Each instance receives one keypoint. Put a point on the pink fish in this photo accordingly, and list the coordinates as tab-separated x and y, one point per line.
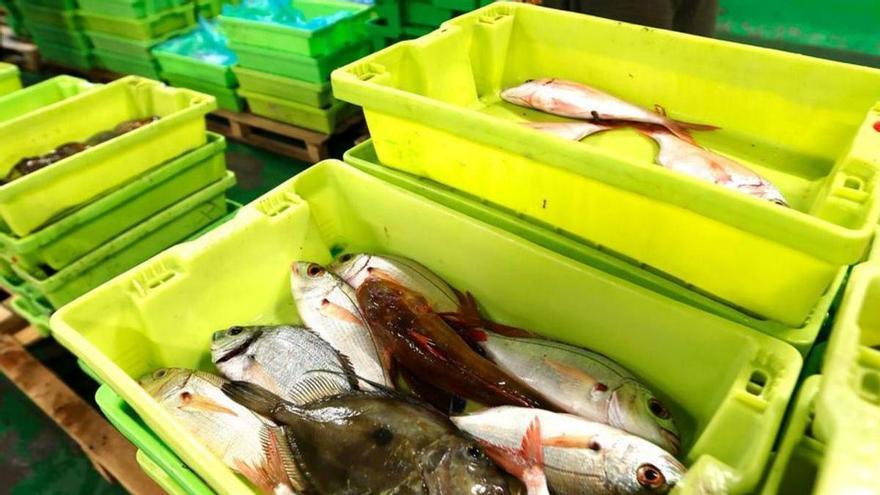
574	131
681	156
579	101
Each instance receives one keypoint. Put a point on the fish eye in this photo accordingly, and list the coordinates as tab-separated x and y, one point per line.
235	331
315	270
658	409
160	373
594	445
649	476
346	257
474	453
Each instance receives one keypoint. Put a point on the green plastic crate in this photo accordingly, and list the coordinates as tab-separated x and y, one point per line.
311	94
425	13
140	50
847	33
64	56
32	201
389	19
461	5
148	28
34	312
150	446
799	457
35	15
133	9
227	98
848	403
209	8
814	140
304	68
363	156
160	231
727	385
64	37
308	117
155	472
305	42
126	64
41	95
52	4
9	78
87	228
195	69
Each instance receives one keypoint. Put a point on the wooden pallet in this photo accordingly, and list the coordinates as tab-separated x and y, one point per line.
112	454
20	52
302	144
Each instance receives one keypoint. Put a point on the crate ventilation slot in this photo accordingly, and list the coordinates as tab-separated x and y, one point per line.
757	382
276	204
152	277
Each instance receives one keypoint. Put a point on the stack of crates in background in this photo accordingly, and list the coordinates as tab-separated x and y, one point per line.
124	32
284	70
200	60
144	175
405	19
14	18
56	30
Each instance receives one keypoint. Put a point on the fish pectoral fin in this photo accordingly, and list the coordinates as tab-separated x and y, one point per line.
425	343
337	312
194	402
526	462
571	372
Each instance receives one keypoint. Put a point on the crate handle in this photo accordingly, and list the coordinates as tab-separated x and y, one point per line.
152	277
868	381
495	14
368	70
276	204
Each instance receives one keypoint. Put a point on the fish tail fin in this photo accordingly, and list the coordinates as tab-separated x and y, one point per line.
680	128
270	475
253	397
468	319
526	462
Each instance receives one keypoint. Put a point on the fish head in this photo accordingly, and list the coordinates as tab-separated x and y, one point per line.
635	409
165	382
461	466
230	345
637	466
353	268
522	95
311	281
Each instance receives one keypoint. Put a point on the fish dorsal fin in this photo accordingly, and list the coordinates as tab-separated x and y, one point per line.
211	378
316	387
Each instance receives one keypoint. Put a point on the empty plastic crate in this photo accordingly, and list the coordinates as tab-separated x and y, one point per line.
66	56
195	69
727	385
227	98
40	95
363	156
303	67
323	120
35	15
323	40
133	9
9	78
433	109
127	64
318	95
96	223
52	35
140	29
33	200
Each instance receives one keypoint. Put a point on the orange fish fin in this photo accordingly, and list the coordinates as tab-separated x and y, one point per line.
337	312
569	371
526	462
681	129
195	402
382	275
264	379
427	344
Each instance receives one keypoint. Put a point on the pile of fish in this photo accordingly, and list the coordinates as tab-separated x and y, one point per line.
369	396
599	111
31	164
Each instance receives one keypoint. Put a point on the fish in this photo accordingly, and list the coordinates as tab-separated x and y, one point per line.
246	442
279	358
376	442
695	161
580	456
328	306
583	383
134	124
420	341
526	462
457	308
579	101
573	131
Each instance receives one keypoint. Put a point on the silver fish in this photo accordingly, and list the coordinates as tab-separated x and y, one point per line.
579	101
328	306
580	456
687	158
279	358
573	131
583	383
249	444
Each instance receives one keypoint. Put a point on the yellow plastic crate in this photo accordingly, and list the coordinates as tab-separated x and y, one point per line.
9	78
807	125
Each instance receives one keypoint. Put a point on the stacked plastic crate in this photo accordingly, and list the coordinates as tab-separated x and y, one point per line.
9	78
146	175
14	18
404	19
56	30
124	32
201	60
284	70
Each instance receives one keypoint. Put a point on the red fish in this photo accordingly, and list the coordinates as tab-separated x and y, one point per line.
418	339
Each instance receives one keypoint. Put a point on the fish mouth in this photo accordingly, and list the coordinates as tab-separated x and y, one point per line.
241	349
673	440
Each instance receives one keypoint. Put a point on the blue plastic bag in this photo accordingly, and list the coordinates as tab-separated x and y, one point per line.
280	12
206	43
